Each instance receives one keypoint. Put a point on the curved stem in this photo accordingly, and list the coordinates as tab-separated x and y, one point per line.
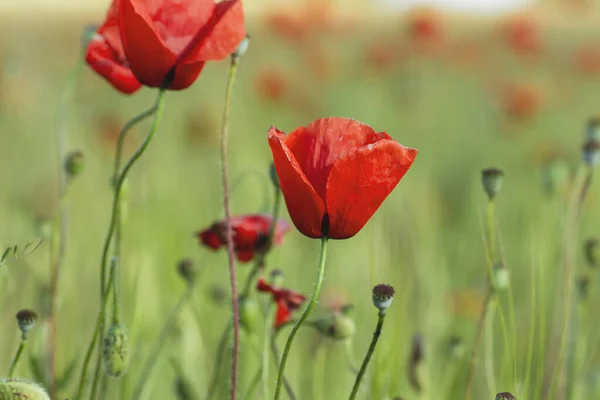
365	363
298	325
158	346
158	107
218	362
275	351
90	350
229	233
15	361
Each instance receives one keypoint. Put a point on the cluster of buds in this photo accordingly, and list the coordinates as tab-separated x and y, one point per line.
17	389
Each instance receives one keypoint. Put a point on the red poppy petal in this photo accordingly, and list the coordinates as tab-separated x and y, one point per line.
185	75
263	286
219	37
103	59
282	315
148	56
304	205
244	255
359	182
319	145
211	239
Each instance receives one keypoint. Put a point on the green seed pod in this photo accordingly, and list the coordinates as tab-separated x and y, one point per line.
19	389
505	396
337	327
492	179
242	47
249	314
382	297
591	152
116	351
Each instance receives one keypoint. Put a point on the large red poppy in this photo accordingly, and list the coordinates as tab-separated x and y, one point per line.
250	235
335	173
287	301
147	39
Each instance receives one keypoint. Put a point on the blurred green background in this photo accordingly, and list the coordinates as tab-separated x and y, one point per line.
467	92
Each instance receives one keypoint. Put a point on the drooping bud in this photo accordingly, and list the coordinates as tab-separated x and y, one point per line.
382	297
19	389
337	326
591	152
592	252
242	47
116	352
26	320
187	270
274	176
74	163
492	179
501	277
249	314
505	396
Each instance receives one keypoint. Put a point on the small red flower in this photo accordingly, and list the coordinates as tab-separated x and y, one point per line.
250	235
523	35
146	39
335	173
287	301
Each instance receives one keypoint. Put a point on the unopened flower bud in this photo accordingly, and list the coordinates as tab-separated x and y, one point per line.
242	47
591	152
505	396
274	176
249	314
187	270
26	320
116	352
382	297
337	326
492	179
74	163
19	389
501	277
592	252
277	277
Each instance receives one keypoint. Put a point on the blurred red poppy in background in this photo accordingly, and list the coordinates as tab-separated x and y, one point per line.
250	235
522	34
425	28
587	61
271	84
521	101
287	301
143	40
335	173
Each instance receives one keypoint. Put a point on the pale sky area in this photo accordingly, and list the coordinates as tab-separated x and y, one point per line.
467	6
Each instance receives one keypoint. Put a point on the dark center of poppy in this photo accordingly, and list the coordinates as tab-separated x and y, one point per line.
262	241
169	78
325	224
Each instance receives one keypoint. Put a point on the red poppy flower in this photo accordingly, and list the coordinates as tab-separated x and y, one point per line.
147	39
287	301
335	173
250	235
523	35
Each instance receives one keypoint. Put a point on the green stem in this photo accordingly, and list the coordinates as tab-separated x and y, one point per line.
479	334
363	367
298	325
157	108
90	350
158	346
15	361
212	389
266	350
229	233
275	352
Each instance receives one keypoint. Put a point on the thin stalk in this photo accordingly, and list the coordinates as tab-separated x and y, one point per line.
15	361
479	334
363	367
212	389
305	314
266	350
275	352
90	350
489	348
159	344
228	230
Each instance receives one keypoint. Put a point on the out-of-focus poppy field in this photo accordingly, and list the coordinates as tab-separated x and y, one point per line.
489	239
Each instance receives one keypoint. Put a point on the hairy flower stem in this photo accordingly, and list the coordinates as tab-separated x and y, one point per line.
158	107
305	314
160	342
15	361
90	350
58	240
363	367
229	233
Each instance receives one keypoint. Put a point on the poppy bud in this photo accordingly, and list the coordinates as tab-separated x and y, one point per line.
26	320
277	277
382	297
74	163
116	351
492	179
591	152
249	314
505	396
242	47
273	175
17	389
501	277
187	270
592	252
338	326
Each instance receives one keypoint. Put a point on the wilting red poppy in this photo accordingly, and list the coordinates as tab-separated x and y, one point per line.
335	173
146	39
250	235
287	301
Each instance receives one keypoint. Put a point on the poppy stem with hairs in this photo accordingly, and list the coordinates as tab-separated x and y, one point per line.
305	314
363	367
229	233
157	109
